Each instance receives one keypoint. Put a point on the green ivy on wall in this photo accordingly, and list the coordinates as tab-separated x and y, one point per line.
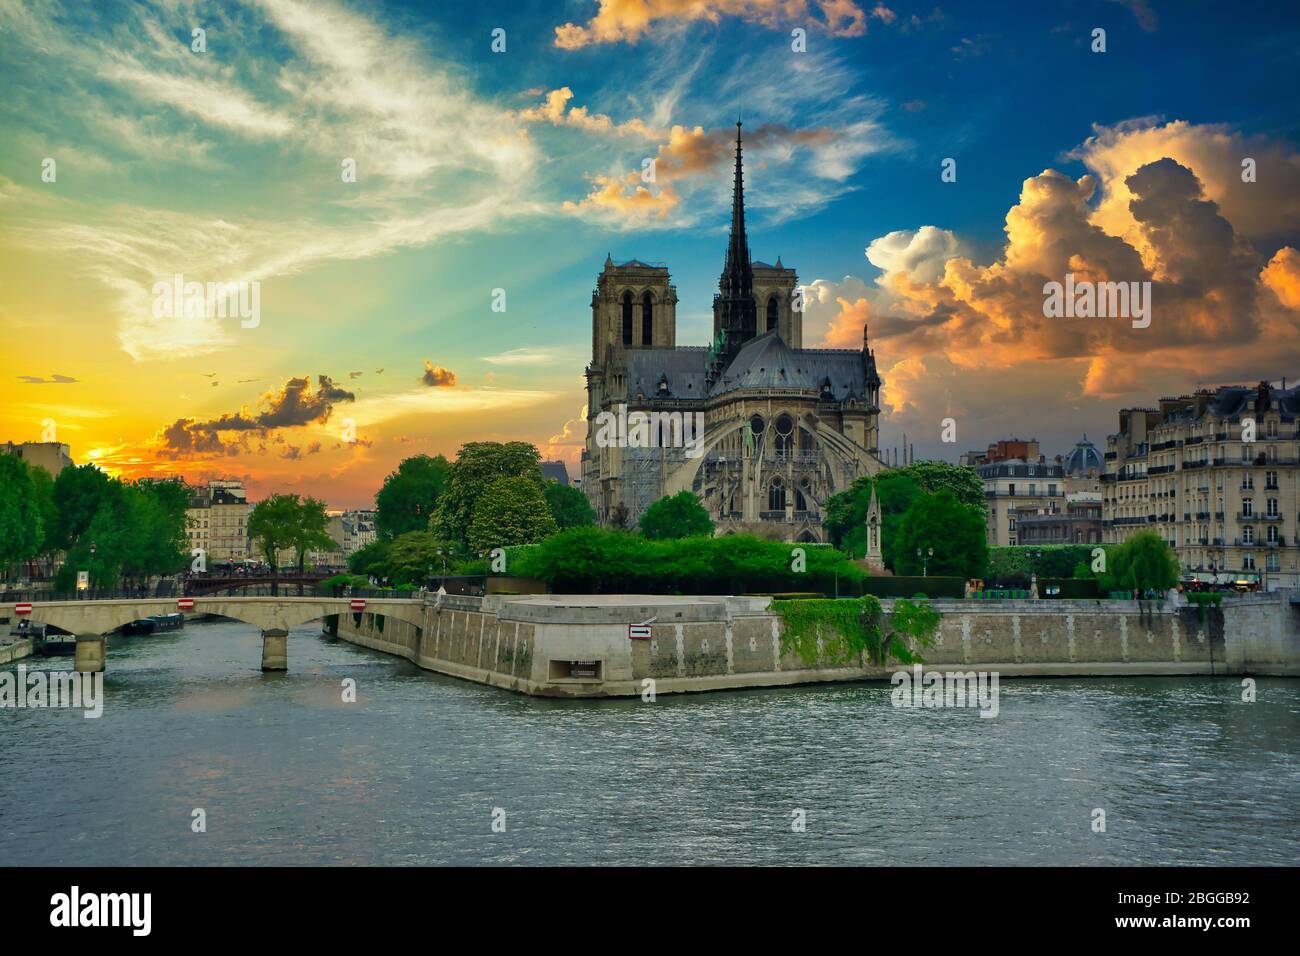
851	628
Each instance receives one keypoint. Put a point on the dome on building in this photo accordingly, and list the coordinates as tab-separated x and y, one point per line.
1083	459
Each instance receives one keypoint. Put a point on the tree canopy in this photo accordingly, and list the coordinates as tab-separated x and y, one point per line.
476	468
310	534
846	512
274	525
135	531
676	516
1140	563
410	495
934	476
568	505
22	525
954	530
512	510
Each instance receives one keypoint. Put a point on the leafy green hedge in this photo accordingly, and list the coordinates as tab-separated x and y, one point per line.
1071	588
1012	565
604	561
903	586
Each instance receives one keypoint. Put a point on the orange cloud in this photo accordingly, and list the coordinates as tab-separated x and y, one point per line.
956	337
625	196
627	21
555	110
1282	275
437	376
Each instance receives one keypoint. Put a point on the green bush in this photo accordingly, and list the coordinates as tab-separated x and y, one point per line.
1012	564
605	561
912	586
1071	588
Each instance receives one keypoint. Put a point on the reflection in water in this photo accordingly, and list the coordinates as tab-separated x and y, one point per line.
290	774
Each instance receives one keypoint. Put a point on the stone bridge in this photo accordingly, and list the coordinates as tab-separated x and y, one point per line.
92	621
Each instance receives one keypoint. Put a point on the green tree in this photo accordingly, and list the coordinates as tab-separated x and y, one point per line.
1141	563
21	524
413	557
475	469
511	511
955	531
310	534
79	492
154	541
410	495
273	524
568	506
44	483
846	512
370	559
676	516
935	476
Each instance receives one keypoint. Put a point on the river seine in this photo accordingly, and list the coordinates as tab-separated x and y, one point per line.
419	767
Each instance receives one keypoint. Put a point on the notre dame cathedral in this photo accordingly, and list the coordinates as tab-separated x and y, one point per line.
784	427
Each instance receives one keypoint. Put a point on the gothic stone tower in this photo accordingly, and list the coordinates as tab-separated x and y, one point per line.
782	427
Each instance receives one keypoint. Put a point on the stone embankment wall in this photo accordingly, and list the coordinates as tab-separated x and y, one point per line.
579	646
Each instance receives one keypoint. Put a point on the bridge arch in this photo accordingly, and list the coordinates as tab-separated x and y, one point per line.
263	613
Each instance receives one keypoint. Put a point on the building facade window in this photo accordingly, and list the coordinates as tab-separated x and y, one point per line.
776	495
627	318
647	319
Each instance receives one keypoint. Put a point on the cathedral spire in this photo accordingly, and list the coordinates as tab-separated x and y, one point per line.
735	313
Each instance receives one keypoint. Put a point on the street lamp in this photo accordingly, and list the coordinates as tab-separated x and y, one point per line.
925	560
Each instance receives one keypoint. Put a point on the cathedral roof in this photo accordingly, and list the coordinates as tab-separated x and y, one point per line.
683	366
763	362
767	362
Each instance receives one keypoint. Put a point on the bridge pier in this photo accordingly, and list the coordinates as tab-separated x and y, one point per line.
91	655
275	650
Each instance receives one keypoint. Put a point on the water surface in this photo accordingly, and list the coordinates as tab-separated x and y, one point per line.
411	773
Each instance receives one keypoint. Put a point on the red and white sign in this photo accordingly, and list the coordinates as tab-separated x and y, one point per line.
22	608
185	604
357	604
638	632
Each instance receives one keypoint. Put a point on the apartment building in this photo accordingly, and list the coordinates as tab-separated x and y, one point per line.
1017	485
1215	474
51	455
218	521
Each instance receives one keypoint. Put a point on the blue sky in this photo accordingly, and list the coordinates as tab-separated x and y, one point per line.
479	170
